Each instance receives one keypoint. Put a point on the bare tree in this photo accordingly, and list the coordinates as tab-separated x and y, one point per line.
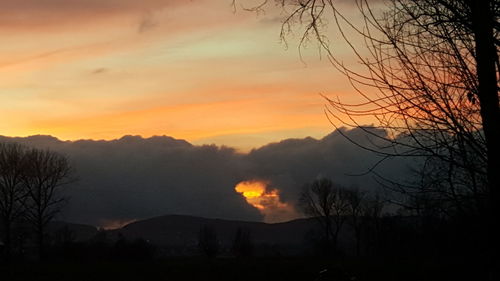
356	205
242	244
325	201
431	81
45	174
373	210
340	212
12	192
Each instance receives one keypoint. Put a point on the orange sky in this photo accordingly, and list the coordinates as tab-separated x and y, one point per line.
188	69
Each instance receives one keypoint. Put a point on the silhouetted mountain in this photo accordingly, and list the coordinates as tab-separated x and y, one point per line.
178	230
179	234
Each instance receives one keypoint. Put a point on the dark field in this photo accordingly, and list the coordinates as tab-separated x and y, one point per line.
244	269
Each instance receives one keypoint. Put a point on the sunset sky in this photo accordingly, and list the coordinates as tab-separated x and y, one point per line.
118	72
194	70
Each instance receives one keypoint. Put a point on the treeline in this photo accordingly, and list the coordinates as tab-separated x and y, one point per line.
30	195
393	225
64	246
111	245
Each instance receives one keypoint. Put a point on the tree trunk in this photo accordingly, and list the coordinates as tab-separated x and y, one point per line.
358	240
336	237
482	22
8	240
40	241
328	227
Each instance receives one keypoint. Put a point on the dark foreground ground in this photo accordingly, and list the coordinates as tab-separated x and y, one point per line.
249	269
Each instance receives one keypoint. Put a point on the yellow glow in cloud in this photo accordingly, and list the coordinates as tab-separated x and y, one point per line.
252	191
267	201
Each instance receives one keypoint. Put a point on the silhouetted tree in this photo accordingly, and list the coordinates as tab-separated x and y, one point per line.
99	246
372	212
45	174
431	81
12	191
64	235
325	201
356	205
242	244
208	243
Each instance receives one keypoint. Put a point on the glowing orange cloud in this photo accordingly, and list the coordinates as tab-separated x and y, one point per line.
253	191
267	201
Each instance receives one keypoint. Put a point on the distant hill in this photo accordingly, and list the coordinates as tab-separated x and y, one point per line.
79	232
182	232
178	229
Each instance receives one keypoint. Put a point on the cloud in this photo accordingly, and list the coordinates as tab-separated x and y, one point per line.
133	177
147	22
290	164
99	70
54	12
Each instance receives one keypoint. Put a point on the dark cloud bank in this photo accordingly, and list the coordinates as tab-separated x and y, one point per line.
133	177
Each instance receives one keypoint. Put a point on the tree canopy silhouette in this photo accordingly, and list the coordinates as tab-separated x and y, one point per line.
45	173
327	202
12	191
30	188
430	71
